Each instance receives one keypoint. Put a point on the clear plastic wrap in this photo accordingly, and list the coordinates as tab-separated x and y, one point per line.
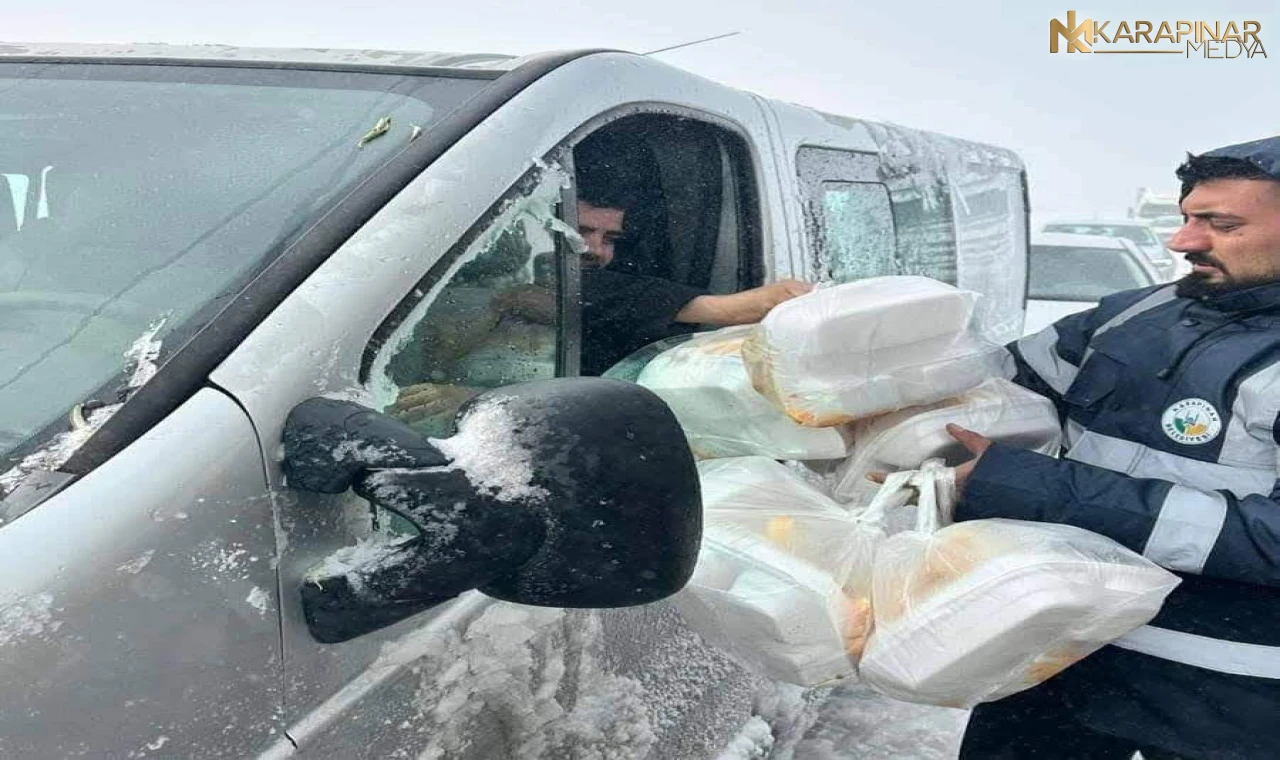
783	577
979	610
902	440
863	348
706	385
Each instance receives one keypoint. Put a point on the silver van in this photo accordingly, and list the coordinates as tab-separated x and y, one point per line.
198	243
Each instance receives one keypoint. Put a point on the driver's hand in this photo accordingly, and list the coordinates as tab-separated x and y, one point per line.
743	308
430	400
773	294
531	303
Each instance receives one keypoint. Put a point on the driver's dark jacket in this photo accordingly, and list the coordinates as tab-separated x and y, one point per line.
622	312
1198	497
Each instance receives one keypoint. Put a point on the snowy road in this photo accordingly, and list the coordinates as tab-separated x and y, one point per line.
855	722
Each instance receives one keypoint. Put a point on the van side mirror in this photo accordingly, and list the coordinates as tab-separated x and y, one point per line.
575	492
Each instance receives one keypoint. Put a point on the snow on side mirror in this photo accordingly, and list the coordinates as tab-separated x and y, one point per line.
576	492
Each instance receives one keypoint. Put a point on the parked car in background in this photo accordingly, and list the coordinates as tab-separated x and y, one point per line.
1152	205
1165	228
1137	231
1163	211
1070	273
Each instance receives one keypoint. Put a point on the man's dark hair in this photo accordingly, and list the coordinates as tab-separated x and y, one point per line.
597	192
1202	168
610	166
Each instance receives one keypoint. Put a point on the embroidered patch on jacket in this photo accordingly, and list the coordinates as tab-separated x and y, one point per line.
1191	421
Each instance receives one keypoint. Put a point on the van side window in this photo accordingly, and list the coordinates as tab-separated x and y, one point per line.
926	231
849	216
487	315
991	245
857	230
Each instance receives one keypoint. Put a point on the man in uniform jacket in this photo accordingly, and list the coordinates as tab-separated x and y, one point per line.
1170	403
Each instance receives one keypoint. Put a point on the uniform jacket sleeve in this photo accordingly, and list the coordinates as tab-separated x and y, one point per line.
1213	533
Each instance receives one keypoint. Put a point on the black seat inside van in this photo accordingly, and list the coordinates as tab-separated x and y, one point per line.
673	171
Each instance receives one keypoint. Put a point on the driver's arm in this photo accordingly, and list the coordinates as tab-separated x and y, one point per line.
741	308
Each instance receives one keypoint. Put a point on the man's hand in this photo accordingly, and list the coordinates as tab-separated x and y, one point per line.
531	303
743	308
976	443
429	400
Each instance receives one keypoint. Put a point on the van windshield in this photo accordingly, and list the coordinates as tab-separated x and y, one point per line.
135	200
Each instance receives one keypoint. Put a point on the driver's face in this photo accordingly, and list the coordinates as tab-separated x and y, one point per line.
600	228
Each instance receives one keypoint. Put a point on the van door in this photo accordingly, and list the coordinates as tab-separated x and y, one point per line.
474	678
477	677
138	607
412	315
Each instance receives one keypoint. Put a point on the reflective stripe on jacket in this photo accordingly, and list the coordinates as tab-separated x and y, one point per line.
1171	408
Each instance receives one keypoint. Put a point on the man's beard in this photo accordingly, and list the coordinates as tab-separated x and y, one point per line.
1193	285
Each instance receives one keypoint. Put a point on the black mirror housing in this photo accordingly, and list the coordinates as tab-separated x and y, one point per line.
329	444
574	492
624	513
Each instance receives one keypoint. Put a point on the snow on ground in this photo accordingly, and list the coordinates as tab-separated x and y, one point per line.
856	722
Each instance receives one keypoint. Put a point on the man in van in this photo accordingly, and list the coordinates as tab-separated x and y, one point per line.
1170	397
621	311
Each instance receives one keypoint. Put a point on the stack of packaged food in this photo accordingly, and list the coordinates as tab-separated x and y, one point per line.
810	572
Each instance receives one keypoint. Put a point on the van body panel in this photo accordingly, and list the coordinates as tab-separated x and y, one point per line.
473	678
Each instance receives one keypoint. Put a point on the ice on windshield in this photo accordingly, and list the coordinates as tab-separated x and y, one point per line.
141	357
26	617
125	199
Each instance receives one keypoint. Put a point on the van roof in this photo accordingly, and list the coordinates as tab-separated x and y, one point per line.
355	58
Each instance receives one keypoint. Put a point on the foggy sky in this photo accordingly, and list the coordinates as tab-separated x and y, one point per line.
1092	128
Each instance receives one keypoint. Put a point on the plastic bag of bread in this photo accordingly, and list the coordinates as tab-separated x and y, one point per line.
979	610
705	383
901	440
863	348
784	573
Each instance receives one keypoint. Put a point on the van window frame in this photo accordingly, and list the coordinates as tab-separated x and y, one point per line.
820	165
752	268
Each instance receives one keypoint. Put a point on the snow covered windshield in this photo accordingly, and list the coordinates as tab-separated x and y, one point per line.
135	200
